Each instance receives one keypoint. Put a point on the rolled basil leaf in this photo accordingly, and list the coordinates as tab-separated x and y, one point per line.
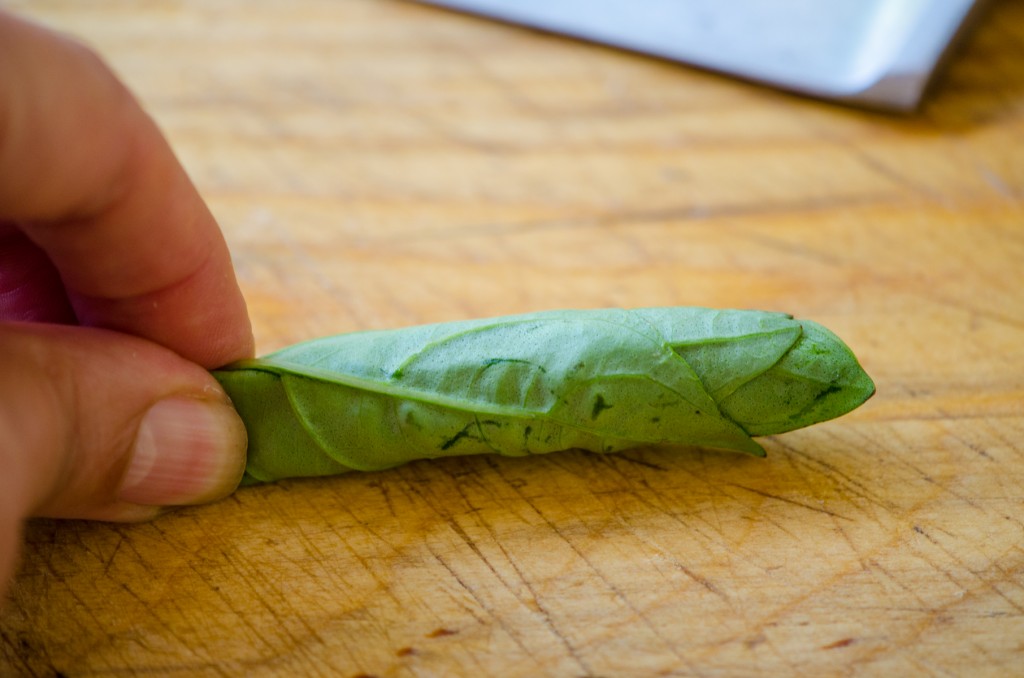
599	380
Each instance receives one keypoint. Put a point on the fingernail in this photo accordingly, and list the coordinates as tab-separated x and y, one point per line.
187	451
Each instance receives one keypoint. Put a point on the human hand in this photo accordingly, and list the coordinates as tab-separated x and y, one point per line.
109	414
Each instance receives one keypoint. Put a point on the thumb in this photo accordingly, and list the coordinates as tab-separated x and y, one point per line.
105	426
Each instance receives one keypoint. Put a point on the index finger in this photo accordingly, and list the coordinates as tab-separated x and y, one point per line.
91	180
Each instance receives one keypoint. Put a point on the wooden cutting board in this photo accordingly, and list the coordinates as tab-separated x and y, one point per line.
377	163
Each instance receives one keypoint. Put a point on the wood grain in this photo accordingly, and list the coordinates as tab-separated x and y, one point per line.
377	163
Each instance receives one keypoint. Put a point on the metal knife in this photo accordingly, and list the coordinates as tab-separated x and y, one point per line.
877	53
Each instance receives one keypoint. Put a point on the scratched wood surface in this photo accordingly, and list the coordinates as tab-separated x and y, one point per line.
378	163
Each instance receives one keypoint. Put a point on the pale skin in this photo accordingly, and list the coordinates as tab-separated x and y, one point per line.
116	295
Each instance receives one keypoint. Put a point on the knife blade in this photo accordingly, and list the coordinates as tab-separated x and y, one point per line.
876	53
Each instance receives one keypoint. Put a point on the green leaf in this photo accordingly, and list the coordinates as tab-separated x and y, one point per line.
602	380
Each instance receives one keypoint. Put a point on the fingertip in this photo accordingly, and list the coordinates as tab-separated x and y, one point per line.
110	427
186	451
94	184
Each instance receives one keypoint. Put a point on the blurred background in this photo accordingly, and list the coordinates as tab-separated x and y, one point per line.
379	163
